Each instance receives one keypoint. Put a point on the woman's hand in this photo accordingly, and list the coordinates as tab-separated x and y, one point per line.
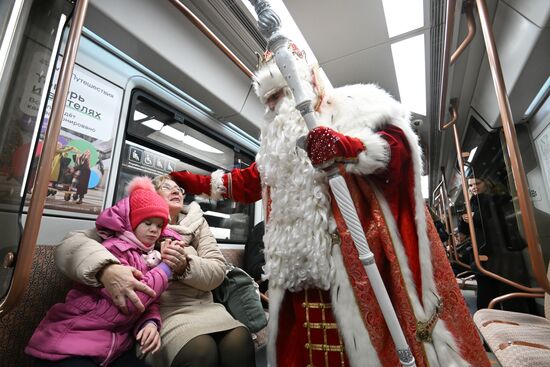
122	283
173	254
148	338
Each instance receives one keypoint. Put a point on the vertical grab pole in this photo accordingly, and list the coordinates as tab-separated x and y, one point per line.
269	24
36	207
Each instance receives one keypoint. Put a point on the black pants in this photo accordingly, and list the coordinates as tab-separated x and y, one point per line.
127	359
489	288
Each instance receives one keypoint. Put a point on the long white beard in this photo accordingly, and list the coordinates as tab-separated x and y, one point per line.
297	239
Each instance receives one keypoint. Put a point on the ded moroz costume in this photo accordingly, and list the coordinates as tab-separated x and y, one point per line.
323	311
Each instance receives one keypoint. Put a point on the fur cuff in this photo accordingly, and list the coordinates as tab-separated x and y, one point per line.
375	156
217	187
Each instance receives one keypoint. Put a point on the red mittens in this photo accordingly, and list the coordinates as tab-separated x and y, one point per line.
326	146
191	182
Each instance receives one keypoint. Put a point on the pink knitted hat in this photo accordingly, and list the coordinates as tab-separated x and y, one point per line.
145	202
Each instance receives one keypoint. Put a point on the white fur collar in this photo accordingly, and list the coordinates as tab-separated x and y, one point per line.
190	218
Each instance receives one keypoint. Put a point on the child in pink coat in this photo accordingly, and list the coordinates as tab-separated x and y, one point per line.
88	329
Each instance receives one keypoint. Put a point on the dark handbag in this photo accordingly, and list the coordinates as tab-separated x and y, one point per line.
240	296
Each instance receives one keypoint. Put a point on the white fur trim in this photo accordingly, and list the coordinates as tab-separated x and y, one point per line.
375	156
276	295
356	107
217	188
443	351
297	238
268	79
359	348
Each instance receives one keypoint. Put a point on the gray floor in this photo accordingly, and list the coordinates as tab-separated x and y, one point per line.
470	298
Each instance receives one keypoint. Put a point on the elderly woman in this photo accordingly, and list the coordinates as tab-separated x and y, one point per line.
195	331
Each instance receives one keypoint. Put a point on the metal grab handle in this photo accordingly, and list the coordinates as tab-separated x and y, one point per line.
454	117
509	296
468	9
448	59
36	207
269	24
449	24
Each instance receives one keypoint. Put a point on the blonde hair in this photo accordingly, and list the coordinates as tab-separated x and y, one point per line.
158	181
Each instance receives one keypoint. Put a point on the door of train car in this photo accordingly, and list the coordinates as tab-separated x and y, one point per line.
31	34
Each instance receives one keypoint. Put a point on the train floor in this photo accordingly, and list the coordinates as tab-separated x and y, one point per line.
470	298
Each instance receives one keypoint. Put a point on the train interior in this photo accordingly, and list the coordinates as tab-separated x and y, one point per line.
159	86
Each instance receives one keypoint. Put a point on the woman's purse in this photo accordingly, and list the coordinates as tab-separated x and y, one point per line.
240	295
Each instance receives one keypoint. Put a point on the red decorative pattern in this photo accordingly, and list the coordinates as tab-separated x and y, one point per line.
293	335
454	311
380	243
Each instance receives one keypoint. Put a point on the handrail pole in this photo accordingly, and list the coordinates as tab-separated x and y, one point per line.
468	9
208	33
449	216
509	296
435	190
518	171
27	245
449	25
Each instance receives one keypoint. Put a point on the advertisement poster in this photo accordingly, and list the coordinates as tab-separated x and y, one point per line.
82	161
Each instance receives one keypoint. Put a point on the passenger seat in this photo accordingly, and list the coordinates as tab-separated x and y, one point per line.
517	339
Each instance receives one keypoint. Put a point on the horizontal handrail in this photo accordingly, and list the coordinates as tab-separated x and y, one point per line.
208	33
509	296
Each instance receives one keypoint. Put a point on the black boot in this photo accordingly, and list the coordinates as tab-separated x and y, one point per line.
67	196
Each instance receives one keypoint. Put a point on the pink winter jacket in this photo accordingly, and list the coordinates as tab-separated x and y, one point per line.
88	323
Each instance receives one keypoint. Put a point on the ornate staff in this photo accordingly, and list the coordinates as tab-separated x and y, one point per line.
270	26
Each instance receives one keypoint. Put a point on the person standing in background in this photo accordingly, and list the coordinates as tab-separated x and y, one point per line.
494	238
